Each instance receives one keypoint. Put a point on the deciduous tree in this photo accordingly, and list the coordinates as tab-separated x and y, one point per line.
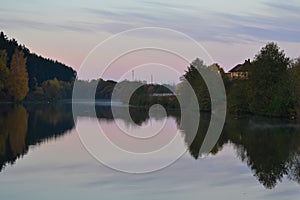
18	76
268	81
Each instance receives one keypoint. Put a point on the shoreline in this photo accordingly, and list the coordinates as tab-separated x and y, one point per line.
106	103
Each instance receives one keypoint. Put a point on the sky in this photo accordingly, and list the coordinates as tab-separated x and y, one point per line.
230	31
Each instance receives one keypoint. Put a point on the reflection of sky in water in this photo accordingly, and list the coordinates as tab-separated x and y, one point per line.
151	136
62	169
130	154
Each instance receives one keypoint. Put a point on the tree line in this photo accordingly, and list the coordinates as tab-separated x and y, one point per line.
27	76
271	87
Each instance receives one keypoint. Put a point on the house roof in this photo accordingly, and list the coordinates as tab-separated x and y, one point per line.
242	67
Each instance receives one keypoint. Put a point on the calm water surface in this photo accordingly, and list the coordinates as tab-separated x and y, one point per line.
41	157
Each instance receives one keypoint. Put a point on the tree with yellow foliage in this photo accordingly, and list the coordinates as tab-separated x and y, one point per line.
17	83
51	88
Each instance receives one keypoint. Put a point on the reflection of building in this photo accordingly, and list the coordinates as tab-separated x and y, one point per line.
162	94
240	71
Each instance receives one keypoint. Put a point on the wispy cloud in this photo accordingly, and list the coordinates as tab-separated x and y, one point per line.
165	5
25	23
187	23
66	26
263	27
214	25
275	21
287	7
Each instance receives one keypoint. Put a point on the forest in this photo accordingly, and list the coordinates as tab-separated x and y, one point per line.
28	76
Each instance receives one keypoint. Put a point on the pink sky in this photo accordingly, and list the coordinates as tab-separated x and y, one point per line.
230	32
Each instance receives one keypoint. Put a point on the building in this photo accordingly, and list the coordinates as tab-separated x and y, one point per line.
240	71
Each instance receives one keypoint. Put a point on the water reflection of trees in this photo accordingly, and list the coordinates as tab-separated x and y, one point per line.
17	122
48	121
13	126
270	147
21	127
104	112
137	116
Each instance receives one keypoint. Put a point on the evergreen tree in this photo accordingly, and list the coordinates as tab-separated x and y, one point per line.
39	69
18	76
3	69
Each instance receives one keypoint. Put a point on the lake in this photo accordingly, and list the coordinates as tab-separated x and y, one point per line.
42	156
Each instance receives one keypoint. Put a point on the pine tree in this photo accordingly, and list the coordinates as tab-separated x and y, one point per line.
3	69
18	77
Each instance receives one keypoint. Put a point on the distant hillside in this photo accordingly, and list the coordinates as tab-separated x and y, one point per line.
39	69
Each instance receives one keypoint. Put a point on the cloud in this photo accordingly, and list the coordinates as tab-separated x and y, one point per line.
124	15
195	26
283	7
271	34
263	27
114	27
273	21
74	26
25	23
105	13
168	5
286	193
216	25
